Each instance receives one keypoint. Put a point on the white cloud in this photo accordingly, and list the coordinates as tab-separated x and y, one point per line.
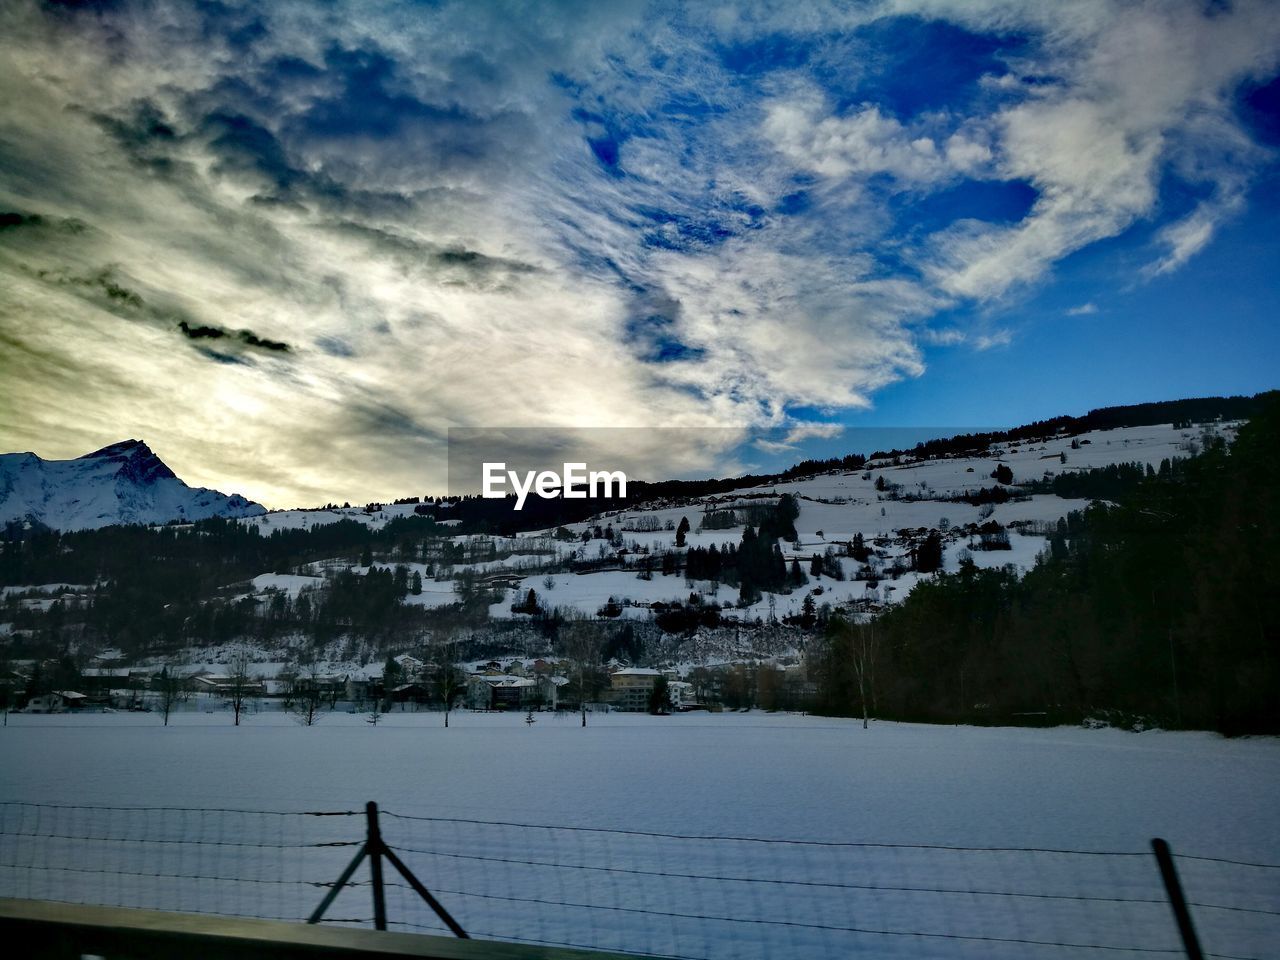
864	142
943	338
808	429
1136	88
798	433
997	338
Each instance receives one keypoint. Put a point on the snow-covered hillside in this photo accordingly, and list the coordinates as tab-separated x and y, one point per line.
834	507
122	483
889	502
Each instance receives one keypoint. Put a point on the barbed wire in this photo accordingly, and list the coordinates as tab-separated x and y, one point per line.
768	840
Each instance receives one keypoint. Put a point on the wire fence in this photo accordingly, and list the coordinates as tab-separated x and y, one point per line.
693	897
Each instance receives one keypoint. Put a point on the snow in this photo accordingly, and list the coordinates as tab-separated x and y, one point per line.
306	519
434	594
122	483
834	508
288	583
45	588
589	592
745	775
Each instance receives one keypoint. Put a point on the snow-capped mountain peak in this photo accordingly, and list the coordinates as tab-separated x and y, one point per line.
124	482
137	462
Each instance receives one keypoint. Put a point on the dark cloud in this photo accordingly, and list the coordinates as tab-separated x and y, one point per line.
13	220
235	26
246	337
101	287
105	289
95	6
335	346
652	328
145	134
246	148
449	263
369	101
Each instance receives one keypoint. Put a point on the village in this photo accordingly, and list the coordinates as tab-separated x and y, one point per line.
408	683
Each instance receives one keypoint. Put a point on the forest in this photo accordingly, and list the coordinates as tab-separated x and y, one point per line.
1155	608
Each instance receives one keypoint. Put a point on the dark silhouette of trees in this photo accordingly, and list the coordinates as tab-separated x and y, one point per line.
660	697
929	553
1151	610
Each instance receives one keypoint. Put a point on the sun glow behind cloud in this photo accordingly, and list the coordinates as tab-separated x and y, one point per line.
291	246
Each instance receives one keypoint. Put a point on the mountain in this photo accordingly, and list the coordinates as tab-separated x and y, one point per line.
122	483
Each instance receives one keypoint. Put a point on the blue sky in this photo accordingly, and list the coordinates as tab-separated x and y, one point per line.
291	245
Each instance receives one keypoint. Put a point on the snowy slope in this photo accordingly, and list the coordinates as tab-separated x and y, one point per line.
837	505
920	494
122	483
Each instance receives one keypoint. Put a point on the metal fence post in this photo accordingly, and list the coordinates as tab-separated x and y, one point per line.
1173	887
375	847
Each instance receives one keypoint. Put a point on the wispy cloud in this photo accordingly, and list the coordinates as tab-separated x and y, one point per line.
997	338
798	433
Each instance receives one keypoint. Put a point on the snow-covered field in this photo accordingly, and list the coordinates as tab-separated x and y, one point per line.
779	777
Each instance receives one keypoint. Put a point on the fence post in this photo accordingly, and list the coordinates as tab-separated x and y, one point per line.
375	847
1173	887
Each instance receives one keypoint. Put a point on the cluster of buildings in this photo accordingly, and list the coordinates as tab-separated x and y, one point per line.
506	684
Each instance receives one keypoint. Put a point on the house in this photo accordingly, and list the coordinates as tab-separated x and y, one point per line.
224	685
59	701
409	693
12	684
681	694
359	689
410	665
502	692
324	685
630	688
549	688
45	703
95	679
72	699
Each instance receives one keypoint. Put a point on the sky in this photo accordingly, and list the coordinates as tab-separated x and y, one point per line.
292	245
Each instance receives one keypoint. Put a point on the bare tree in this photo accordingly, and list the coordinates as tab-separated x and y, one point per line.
866	650
239	684
449	679
170	690
582	642
307	697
